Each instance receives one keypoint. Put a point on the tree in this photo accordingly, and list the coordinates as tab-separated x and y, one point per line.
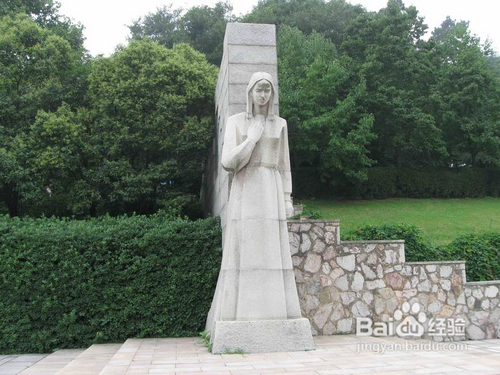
202	27
467	96
41	10
38	71
326	18
387	51
205	28
494	64
163	26
54	155
329	130
46	14
442	32
152	111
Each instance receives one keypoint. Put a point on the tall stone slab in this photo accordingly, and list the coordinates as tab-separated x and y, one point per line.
248	48
255	307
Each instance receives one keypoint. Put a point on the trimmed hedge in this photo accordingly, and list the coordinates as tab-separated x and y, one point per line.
480	251
418	248
390	182
68	283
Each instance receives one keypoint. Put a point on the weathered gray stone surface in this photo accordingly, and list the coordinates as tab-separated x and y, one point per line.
372	279
262	336
250	34
256	282
248	48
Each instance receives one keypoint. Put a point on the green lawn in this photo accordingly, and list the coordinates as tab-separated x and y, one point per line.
441	219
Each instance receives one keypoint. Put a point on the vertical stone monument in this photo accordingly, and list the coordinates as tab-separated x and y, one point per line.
256	305
248	48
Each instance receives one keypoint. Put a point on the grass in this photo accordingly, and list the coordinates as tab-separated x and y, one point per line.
205	338
234	351
442	220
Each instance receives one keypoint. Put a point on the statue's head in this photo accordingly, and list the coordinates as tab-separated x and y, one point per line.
260	91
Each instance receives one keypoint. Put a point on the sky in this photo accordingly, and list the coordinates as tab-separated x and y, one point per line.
106	21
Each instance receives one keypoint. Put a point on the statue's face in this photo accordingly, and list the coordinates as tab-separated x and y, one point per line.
261	92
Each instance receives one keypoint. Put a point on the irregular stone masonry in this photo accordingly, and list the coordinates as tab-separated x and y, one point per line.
339	281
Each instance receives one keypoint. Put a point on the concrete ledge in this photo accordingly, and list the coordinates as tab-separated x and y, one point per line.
262	336
371	242
445	262
482	283
299	221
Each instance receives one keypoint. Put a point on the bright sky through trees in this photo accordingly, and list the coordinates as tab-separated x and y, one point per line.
106	21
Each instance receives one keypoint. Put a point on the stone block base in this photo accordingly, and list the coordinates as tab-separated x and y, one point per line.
262	336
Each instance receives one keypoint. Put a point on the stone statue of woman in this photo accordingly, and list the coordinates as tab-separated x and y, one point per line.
256	283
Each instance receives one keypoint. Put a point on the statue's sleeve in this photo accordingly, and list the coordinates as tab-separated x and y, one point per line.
235	156
286	173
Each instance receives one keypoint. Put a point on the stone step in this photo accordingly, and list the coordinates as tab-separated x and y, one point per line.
91	361
52	363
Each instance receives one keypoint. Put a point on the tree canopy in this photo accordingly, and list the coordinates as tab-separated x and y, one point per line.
328	18
82	135
320	98
202	27
152	122
39	71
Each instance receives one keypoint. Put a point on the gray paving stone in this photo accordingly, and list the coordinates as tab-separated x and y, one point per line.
92	361
52	363
333	355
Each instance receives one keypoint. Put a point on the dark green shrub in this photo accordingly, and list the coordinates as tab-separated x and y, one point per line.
493	182
442	183
481	253
417	247
68	283
307	212
307	183
390	182
381	183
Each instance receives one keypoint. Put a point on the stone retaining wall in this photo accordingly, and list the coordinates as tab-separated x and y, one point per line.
339	281
482	309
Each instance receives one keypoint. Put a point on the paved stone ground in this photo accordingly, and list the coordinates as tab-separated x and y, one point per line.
37	364
14	364
333	355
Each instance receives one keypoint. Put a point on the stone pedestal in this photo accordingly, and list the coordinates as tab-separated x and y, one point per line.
262	336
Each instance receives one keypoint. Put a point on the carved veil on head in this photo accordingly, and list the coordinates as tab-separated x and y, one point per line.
256	77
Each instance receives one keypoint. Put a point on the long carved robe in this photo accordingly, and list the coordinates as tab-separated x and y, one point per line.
256	281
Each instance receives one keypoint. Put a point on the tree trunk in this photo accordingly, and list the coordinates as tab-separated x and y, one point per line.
399	158
11	199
